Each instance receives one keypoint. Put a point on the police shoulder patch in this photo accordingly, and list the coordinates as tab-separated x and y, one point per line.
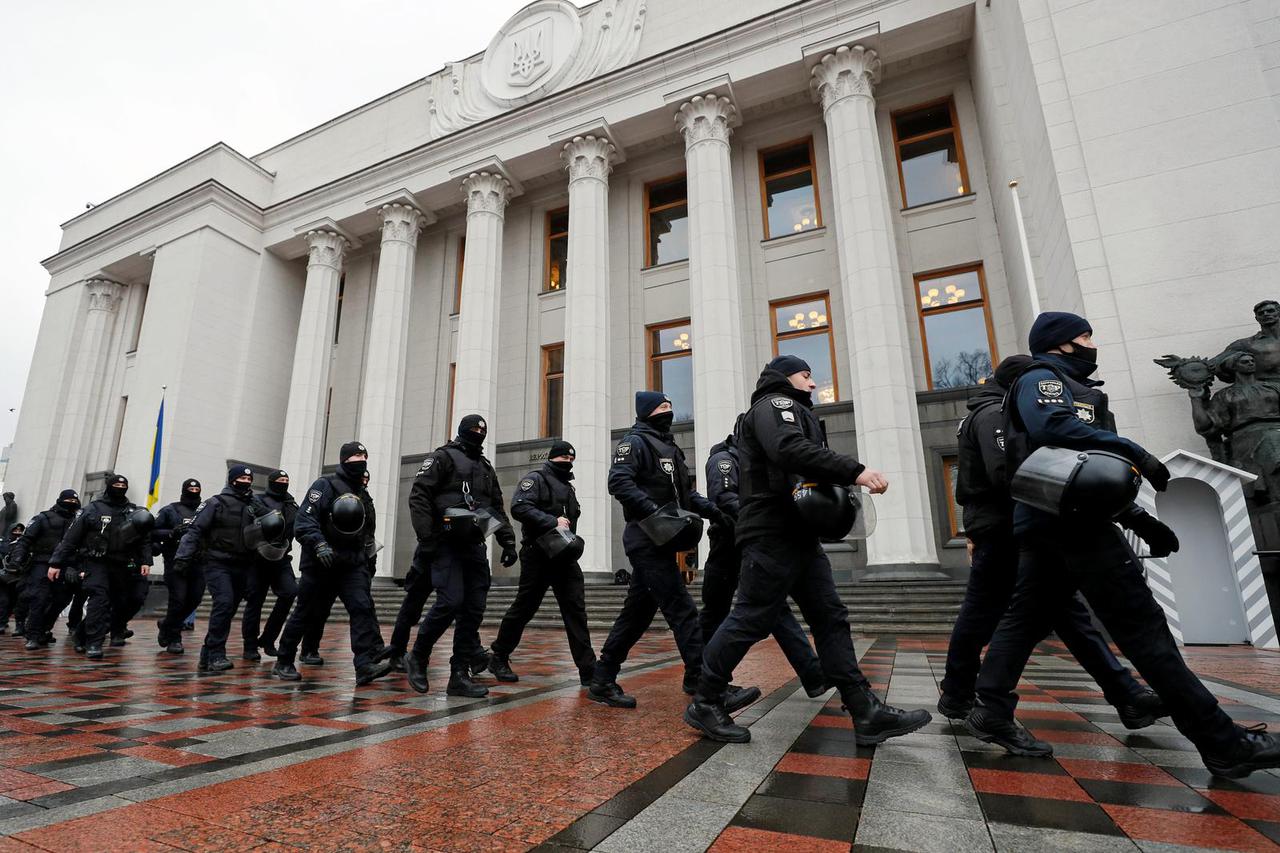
313	496
1050	387
782	402
789	417
526	485
624	449
725	465
1085	412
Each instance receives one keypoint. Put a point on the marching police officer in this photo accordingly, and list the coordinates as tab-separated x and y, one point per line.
982	488
781	444
13	594
454	503
335	528
648	478
271	572
109	541
545	503
724	560
1054	403
32	551
221	534
186	583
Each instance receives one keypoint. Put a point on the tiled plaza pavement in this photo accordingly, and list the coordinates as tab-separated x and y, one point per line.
139	753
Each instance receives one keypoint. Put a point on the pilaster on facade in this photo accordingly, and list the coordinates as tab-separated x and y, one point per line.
847	72
487	192
706	118
589	158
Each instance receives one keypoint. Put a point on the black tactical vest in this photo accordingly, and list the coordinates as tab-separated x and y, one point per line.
1090	403
229	523
473	483
556	496
666	478
757	476
105	525
331	534
55	524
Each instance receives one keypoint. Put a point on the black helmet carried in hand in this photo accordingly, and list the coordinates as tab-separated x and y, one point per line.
138	525
673	528
826	509
561	543
1090	484
347	514
266	535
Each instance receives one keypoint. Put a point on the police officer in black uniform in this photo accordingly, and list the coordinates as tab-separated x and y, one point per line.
457	477
32	552
982	488
13	592
724	560
1054	403
110	543
649	472
274	575
782	444
220	534
335	529
544	502
185	584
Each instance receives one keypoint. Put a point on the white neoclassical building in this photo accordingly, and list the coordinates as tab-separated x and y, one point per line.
663	194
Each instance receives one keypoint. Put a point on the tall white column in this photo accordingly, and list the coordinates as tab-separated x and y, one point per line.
309	388
103	297
714	305
476	381
589	160
875	313
382	399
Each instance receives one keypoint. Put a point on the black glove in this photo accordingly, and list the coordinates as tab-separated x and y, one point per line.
1155	472
1160	538
324	555
509	556
427	547
724	521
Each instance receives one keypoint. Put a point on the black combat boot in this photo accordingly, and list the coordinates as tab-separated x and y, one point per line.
1142	710
311	659
736	698
714	722
175	648
460	684
585	675
609	693
370	672
268	647
32	644
214	664
48	639
480	663
396	658
953	707
415	670
117	641
19	629
989	728
501	668
251	654
1256	749
815	683
94	651
285	671
875	722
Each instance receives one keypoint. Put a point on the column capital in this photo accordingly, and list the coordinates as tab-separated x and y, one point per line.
848	71
325	249
487	192
104	294
589	157
706	117
401	222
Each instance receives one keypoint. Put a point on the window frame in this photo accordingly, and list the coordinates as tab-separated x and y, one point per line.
922	312
649	211
457	284
812	169
954	130
830	330
545	380
955	520
548	236
653	359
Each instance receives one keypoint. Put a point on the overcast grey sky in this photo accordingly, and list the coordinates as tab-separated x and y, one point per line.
96	97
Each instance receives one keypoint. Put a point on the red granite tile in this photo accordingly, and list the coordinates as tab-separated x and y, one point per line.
739	839
826	721
1027	785
1115	771
173	757
1192	830
11	779
43	789
1247	805
1066	736
824	765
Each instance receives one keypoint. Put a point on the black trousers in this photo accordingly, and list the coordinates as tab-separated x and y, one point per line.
228	582
1053	564
14	600
314	633
111	597
720	581
267	576
992	579
656	585
186	590
772	571
47	599
417	589
538	573
347	580
460	576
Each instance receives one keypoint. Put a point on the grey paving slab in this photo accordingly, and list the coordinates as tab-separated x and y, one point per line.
924	833
688	825
957	801
1035	839
112	769
1100	753
45	817
176	724
1171	757
371	717
902	751
1257	700
57	719
935	775
1158	847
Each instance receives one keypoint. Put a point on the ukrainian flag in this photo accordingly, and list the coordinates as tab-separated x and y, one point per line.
153	494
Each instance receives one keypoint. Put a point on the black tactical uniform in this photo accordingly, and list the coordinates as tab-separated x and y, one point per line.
1052	404
270	575
333	562
542	497
781	443
648	472
13	589
220	535
452	477
47	598
109	553
982	488
724	562
185	585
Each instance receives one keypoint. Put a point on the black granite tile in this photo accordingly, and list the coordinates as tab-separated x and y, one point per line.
1269	828
629	802
1200	777
587	831
128	732
988	760
798	817
64	763
1170	797
1047	814
820	789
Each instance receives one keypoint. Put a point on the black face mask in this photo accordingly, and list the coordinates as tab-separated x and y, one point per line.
354	469
662	422
278	488
471	439
562	467
68	507
117	496
241	488
190	499
1083	361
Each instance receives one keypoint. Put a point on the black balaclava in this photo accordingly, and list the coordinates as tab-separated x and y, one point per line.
352	471
188	497
68	500
561	447
280	490
15	532
1056	328
240	471
467	434
646	402
117	491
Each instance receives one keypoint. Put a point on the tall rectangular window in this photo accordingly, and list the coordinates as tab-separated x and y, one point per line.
671	365
788	190
136	334
930	154
553	390
557	250
959	346
448	408
666	224
950	476
457	282
802	327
